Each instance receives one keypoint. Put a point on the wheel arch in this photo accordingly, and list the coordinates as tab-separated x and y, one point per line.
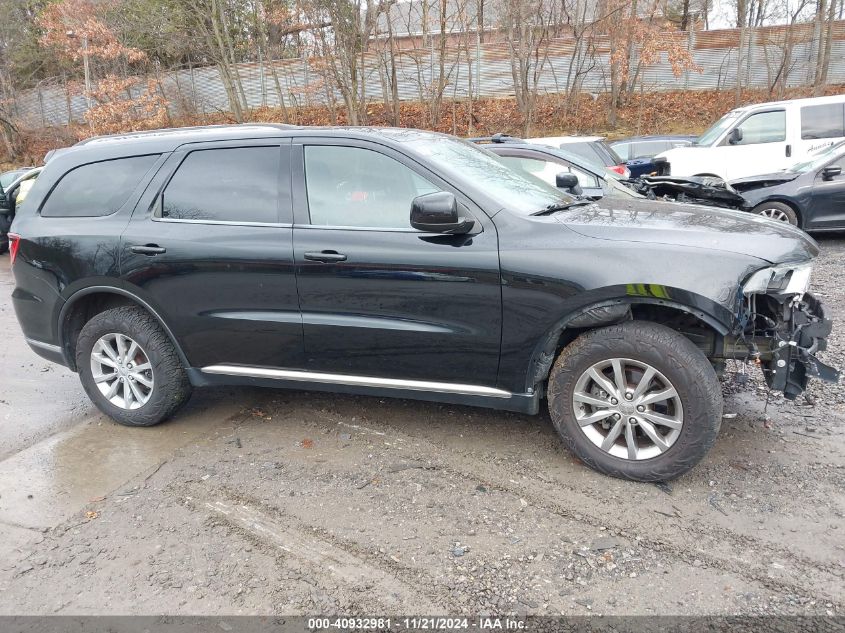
790	203
603	313
89	301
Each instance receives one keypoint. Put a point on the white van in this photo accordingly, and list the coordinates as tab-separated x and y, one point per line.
762	138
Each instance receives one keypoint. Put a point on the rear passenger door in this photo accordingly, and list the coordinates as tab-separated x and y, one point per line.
209	247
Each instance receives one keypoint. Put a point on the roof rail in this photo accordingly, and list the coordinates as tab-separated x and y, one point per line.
496	138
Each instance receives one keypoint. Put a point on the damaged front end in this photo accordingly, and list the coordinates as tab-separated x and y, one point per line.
782	327
695	190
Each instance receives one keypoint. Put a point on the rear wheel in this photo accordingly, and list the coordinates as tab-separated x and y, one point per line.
129	367
637	401
777	211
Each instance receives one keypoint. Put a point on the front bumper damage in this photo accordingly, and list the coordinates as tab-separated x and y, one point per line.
703	190
784	334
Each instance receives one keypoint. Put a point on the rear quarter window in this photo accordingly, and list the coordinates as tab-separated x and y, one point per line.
97	189
823	121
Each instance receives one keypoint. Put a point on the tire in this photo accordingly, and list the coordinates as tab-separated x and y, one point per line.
169	387
637	345
777	211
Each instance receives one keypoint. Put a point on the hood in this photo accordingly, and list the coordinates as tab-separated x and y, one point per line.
673	223
766	180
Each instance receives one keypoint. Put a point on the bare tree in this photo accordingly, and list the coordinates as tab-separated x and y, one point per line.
527	26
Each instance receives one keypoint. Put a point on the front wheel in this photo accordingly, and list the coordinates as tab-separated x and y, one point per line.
777	211
637	401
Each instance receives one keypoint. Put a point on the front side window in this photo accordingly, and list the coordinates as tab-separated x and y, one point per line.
763	127
97	189
823	121
239	184
547	170
356	187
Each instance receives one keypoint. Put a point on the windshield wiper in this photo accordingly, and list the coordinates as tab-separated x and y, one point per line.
554	207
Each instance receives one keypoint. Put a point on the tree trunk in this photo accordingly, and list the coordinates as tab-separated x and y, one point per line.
223	64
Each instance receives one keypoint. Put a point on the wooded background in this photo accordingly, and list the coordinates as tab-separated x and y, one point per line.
72	68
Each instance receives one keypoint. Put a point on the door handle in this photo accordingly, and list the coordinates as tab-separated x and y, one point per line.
148	249
325	256
788	151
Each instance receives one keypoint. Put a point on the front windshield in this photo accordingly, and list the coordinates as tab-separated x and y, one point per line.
512	188
817	161
715	132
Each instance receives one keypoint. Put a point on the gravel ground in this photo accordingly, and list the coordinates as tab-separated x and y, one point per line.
307	503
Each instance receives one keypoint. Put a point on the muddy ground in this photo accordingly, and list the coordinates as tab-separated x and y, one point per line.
283	502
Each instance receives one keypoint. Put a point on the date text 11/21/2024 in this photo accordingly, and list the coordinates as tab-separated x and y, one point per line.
419	623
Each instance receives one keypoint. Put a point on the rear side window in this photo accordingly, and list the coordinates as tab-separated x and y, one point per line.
239	184
623	150
823	121
649	149
585	150
97	189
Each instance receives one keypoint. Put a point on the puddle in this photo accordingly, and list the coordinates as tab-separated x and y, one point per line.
45	484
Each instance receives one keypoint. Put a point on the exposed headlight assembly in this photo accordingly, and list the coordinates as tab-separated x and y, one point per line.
786	279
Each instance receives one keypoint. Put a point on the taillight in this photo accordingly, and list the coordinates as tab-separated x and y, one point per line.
14	244
622	170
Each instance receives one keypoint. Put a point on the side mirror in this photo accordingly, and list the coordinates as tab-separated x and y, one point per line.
828	173
438	213
735	136
568	182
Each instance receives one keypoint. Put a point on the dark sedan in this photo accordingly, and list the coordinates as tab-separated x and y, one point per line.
810	194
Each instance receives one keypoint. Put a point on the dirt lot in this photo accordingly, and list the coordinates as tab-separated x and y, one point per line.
276	502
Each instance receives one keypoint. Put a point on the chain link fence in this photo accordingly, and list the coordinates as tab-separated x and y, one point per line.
768	57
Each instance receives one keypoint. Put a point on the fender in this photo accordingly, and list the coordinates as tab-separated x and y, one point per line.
66	307
543	354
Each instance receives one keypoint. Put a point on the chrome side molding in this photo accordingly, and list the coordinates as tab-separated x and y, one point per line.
360	381
42	345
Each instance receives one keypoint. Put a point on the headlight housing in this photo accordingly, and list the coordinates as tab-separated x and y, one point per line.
785	279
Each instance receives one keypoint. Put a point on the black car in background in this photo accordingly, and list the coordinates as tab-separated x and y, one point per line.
395	262
810	194
638	152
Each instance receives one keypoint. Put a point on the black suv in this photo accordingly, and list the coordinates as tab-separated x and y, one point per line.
405	263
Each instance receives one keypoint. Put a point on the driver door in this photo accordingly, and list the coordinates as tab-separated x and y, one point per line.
763	148
378	297
827	206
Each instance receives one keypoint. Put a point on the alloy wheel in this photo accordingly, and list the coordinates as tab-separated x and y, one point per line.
775	214
122	371
628	409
